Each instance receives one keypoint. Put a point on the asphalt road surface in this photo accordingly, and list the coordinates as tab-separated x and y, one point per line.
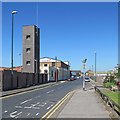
36	104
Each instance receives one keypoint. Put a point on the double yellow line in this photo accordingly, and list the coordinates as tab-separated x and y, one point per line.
53	109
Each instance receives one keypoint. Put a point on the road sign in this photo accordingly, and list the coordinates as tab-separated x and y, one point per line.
84	61
84	66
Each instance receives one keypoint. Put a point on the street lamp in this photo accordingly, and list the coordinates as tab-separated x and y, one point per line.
95	65
20	60
13	12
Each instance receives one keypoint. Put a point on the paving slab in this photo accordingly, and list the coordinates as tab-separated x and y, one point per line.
84	104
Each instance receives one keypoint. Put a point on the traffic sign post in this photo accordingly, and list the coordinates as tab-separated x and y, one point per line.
84	67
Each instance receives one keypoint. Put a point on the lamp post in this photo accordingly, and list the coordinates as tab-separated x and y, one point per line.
95	65
13	12
20	60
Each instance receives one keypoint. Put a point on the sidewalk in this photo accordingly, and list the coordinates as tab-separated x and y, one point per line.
84	104
10	92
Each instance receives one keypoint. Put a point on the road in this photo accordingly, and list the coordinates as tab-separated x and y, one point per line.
36	104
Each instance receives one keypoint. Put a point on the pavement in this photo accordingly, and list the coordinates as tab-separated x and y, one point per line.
85	104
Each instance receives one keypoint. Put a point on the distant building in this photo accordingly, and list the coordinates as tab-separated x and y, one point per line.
31	49
56	69
4	68
18	69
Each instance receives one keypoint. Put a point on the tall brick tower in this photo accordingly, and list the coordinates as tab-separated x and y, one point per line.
31	49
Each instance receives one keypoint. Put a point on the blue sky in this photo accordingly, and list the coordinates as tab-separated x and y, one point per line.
71	31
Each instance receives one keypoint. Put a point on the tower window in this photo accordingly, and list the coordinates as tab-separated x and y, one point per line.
27	37
28	50
28	62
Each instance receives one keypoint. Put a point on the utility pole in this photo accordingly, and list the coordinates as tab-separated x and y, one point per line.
95	65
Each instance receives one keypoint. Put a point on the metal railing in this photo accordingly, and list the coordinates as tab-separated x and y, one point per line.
108	101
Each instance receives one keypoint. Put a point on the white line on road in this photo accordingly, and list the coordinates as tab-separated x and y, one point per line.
25	101
37	96
33	105
35	108
49	107
12	114
28	114
18	106
49	91
42	105
37	114
28	107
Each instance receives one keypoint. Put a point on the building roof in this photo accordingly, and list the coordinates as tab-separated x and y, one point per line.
48	59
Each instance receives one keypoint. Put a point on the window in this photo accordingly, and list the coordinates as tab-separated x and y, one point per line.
28	50
45	65
28	62
53	64
27	37
45	71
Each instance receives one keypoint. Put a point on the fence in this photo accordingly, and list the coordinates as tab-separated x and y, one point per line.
109	102
20	80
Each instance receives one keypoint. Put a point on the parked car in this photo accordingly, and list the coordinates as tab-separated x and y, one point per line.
68	79
87	79
73	78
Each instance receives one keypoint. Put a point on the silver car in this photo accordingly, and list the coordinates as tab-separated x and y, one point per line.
87	79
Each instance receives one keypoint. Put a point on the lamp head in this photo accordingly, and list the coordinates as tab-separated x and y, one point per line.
14	12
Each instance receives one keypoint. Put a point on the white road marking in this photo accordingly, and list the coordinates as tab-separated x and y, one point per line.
18	106
42	105
49	107
35	108
37	114
25	101
49	91
16	115
13	112
33	105
28	114
37	96
28	107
